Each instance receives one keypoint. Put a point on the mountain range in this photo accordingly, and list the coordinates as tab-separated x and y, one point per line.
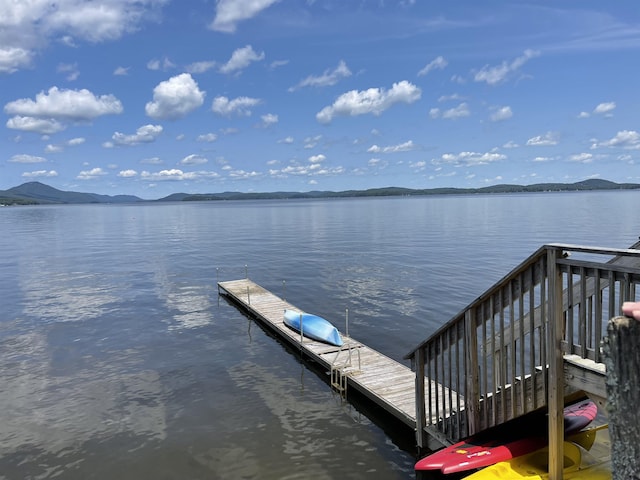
36	193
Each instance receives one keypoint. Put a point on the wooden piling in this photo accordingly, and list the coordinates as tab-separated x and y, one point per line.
621	348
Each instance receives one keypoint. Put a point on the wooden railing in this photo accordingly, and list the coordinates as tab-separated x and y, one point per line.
503	355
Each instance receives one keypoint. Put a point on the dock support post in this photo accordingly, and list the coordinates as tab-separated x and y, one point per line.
555	394
421	421
621	348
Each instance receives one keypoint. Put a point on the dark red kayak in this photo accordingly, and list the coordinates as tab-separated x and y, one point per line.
488	448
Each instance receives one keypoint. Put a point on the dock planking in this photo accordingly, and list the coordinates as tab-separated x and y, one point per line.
384	381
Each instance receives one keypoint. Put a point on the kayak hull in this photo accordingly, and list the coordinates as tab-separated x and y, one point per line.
486	449
313	326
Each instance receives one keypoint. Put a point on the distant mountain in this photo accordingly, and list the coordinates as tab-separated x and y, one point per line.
39	193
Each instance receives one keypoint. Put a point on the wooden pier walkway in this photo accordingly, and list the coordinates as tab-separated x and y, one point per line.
386	382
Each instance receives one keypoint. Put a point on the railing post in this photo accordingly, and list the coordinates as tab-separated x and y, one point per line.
555	361
421	421
471	399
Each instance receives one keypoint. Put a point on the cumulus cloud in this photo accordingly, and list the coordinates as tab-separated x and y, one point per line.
402	147
24	158
207	137
317	158
240	59
269	119
238	106
328	78
144	134
27	26
230	12
49	109
175	98
501	113
438	63
37	125
581	158
175	174
13	59
288	140
460	111
605	108
629	139
201	67
127	173
500	73
163	65
468	159
372	101
91	174
121	71
40	174
193	159
548	139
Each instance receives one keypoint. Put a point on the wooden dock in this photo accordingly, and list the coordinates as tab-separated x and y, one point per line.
384	381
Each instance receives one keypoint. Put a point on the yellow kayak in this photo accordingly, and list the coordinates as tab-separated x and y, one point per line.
590	461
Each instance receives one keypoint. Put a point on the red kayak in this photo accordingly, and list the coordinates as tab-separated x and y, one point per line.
500	444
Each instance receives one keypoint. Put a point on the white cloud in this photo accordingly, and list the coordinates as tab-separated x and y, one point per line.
65	105
372	101
207	137
629	139
174	174
500	73
269	119
91	174
76	141
548	139
581	158
501	113
24	158
241	58
402	147
175	98
144	134
27	26
127	173
230	12
239	106
201	67
193	159
460	111
53	148
468	159
605	108
38	125
317	158
328	78
287	140
40	174
121	71
438	63
13	59
70	69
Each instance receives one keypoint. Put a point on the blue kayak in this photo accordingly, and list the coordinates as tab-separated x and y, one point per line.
313	326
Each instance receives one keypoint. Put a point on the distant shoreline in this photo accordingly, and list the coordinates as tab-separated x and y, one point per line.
36	193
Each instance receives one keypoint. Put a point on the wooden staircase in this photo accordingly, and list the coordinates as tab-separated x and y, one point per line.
528	343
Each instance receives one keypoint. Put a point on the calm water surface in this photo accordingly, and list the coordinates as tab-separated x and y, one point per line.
118	359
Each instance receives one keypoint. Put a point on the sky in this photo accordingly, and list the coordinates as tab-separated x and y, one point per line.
154	97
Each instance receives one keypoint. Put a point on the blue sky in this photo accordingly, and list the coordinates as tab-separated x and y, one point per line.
153	97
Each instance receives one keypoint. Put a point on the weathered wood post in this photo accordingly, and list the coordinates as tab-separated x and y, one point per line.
621	348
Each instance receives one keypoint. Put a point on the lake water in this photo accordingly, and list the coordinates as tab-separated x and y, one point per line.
119	360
